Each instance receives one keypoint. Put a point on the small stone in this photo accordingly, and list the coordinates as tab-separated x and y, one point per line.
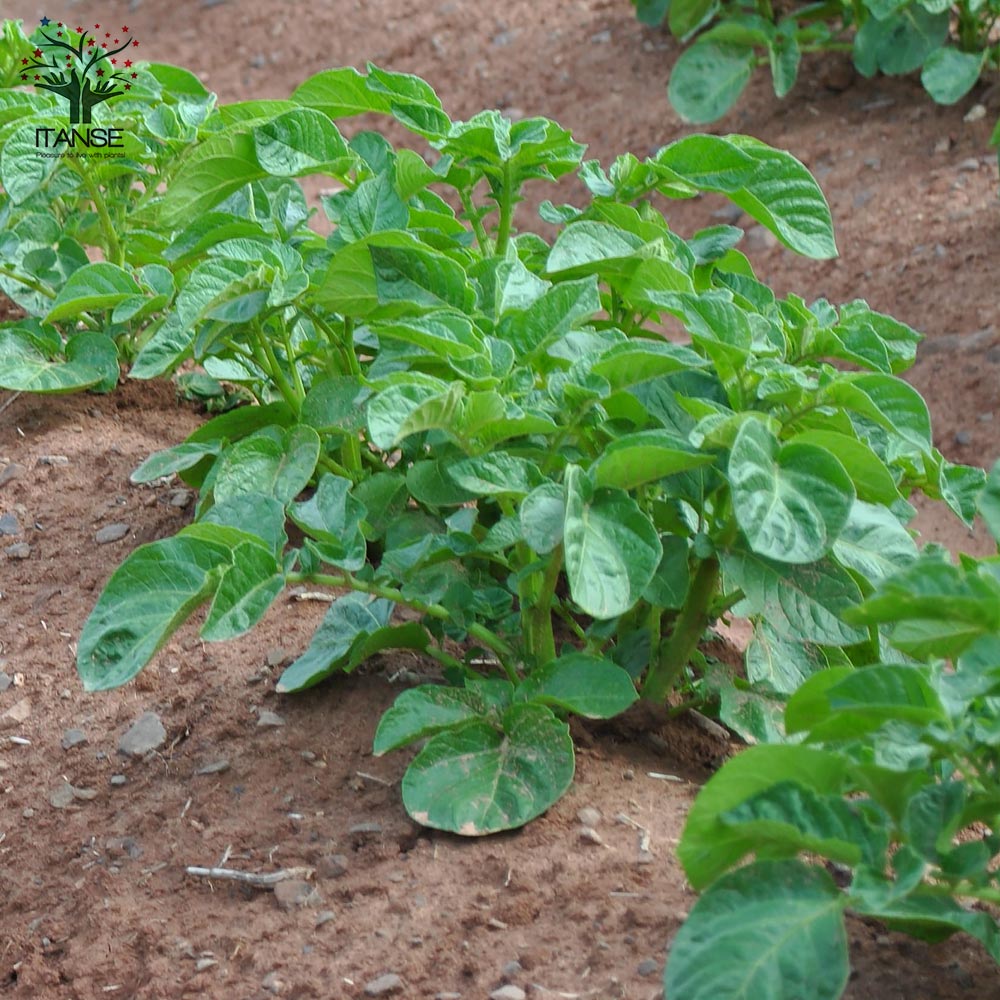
645	858
269	720
19	712
111	533
324	917
384	985
589	816
145	734
53	460
601	38
511	969
180	498
19	550
120	847
215	767
963	438
862	198
204	963
362	832
73	738
276	656
589	835
11	471
258	61
61	796
761	238
942	145
648	967
508	992
28	813
969	165
5	681
9	525
272	983
447	996
294	893
117	780
976	113
332	866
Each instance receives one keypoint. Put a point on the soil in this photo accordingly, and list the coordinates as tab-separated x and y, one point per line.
94	897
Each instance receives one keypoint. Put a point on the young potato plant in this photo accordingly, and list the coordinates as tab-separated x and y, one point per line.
491	431
59	212
892	795
952	44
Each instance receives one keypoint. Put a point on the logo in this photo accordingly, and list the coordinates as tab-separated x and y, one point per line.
85	67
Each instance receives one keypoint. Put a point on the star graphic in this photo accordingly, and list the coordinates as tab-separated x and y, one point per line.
24	62
128	86
90	41
135	44
45	22
100	72
37	77
114	62
38	53
24	76
128	63
97	27
79	31
107	34
124	29
58	34
134	75
116	41
104	45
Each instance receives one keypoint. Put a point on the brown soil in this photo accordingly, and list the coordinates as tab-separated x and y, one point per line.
94	899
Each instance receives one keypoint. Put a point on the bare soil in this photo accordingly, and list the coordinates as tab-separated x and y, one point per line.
94	898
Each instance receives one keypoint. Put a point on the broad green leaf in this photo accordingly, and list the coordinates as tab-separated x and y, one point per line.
900	42
150	594
372	207
543	516
989	501
933	817
91	362
773	930
496	474
685	16
351	620
332	515
803	602
587	247
709	846
449	335
890	402
253	513
271	461
586	685
612	549
424	711
208	174
872	480
779	663
340	93
300	142
790	501
651	12
94	286
476	779
787	818
707	80
785	56
637	361
949	74
669	586
874	543
22	170
644	457
176	459
551	315
247	589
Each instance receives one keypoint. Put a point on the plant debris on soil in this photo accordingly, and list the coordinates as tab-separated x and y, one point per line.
107	800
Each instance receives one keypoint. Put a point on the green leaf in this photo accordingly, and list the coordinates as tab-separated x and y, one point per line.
637	361
872	480
651	12
790	501
152	593
550	315
278	463
612	549
355	627
949	74
685	16
22	170
299	143
890	402
449	335
989	501
669	585
332	515
803	602
497	474
247	589
586	685
709	846
424	711
874	543
779	663
477	779
176	459
785	56
340	93
93	286
707	80
773	930
900	42
91	362
543	517
644	457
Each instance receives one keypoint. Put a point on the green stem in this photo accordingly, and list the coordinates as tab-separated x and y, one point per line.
286	340
24	279
267	359
506	205
114	248
480	633
691	623
485	243
335	467
537	616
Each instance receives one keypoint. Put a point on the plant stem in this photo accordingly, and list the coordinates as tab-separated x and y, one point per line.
537	616
286	340
267	359
506	205
676	652
24	279
485	243
114	248
480	633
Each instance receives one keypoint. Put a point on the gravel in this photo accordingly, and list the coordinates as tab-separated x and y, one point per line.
384	985
145	734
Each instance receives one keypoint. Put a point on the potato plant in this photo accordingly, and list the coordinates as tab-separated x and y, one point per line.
887	806
952	44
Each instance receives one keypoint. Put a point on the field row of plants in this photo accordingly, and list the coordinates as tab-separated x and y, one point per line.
491	430
952	43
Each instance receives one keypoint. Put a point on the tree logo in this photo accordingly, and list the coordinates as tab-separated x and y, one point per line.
83	66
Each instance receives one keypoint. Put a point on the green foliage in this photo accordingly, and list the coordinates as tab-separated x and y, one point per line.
895	781
952	44
486	428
